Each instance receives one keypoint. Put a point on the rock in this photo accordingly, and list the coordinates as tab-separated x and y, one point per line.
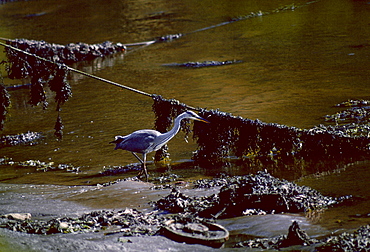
17	216
203	64
296	236
124	240
63	225
241	195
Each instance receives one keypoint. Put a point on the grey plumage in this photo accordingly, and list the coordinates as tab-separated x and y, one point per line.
146	141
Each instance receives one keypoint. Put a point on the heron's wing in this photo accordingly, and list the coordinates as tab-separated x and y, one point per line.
140	141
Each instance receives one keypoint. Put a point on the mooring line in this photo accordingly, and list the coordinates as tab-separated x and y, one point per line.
86	74
77	71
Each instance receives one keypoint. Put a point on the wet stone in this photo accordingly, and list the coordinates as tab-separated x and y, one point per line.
17	216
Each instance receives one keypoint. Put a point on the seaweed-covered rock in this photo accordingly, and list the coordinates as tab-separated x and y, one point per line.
203	64
177	202
295	236
28	138
131	222
240	195
38	165
254	142
69	53
357	241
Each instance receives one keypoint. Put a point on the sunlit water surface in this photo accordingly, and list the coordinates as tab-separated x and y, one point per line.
295	66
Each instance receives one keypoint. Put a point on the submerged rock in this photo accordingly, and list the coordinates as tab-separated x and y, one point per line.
203	64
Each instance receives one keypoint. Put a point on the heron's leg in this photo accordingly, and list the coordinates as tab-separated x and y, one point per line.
141	161
144	167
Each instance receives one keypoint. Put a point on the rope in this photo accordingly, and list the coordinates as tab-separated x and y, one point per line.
90	75
78	71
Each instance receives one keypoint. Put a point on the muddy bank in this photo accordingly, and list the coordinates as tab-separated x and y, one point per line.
241	195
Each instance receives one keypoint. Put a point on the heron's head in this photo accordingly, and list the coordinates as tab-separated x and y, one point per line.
117	141
191	115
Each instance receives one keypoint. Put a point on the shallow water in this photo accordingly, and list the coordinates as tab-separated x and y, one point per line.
295	66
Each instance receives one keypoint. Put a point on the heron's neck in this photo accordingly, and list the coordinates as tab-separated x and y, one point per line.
171	133
175	129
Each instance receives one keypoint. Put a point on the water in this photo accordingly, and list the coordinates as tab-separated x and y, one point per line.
296	66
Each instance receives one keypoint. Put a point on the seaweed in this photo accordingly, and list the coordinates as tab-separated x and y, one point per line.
45	64
246	195
131	221
39	165
356	241
4	103
67	54
203	64
254	143
28	138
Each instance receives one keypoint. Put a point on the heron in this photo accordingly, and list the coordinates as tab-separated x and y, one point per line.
147	140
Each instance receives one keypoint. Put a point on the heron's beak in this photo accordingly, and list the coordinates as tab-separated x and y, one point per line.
201	119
